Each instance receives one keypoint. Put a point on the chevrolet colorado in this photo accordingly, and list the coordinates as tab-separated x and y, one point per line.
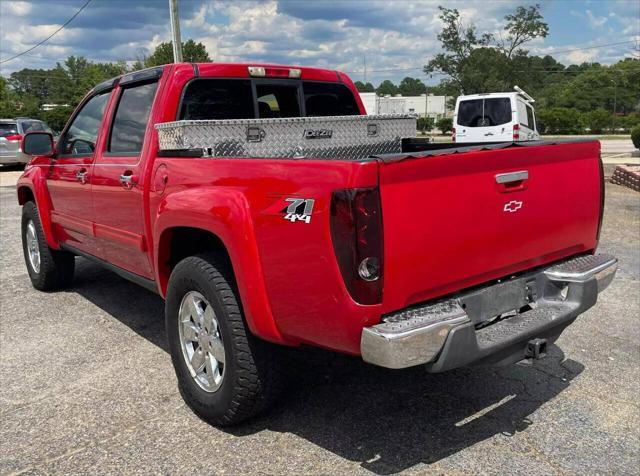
266	209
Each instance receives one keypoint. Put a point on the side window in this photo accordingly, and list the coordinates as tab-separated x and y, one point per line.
523	116
131	117
80	138
531	118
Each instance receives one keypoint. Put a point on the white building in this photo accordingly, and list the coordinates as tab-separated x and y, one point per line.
51	106
423	105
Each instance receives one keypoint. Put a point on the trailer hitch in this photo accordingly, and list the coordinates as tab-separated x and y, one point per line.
536	349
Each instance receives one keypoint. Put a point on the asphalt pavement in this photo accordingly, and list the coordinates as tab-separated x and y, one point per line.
87	386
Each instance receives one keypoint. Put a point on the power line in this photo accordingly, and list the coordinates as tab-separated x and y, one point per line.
50	36
591	47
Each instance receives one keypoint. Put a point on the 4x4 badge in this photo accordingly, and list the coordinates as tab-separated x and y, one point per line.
300	209
512	206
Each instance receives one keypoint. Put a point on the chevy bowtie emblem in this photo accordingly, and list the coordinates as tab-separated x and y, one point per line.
512	206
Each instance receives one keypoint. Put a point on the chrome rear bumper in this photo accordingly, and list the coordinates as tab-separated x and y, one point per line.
554	296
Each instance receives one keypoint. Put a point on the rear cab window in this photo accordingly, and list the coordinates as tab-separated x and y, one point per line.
278	100
484	112
8	129
32	126
213	98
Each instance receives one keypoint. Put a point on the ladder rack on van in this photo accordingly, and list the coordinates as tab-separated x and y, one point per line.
524	95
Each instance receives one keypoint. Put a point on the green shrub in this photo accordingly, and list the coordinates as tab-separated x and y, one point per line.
57	117
559	120
635	137
628	122
425	124
597	120
445	124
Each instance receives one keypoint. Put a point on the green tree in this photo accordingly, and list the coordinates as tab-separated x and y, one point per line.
364	88
458	41
524	25
445	125
558	120
387	87
411	87
57	117
474	61
191	51
597	121
628	122
424	124
635	137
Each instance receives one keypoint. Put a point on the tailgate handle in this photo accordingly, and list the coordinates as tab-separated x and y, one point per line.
512	181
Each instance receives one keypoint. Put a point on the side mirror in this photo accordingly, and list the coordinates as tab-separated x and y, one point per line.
38	143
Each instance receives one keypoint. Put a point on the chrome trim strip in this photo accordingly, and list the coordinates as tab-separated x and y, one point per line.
415	346
580	277
512	176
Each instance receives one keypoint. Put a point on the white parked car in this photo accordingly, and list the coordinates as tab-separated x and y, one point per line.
495	117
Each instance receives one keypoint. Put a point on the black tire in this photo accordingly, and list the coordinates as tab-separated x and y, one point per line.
252	369
56	266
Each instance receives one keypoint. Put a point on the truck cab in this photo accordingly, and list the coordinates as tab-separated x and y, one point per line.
495	117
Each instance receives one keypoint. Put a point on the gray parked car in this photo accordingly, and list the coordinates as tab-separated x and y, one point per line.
11	132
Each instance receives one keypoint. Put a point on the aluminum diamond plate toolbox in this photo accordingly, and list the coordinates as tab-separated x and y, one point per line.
331	137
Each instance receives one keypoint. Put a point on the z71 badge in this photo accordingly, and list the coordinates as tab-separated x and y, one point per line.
300	209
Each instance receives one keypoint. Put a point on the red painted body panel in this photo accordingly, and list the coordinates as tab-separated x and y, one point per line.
443	219
446	228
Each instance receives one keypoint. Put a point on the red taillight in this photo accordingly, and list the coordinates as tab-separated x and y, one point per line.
453	134
516	131
356	232
14	137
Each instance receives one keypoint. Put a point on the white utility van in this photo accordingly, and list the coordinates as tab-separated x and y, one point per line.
495	117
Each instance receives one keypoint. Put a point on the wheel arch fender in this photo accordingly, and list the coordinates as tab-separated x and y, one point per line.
225	215
32	186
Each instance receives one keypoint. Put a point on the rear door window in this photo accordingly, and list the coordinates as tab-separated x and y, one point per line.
131	117
484	112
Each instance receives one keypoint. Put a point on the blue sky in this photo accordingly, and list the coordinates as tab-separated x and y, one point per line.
395	37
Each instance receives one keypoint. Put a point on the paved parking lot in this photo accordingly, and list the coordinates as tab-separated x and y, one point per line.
86	385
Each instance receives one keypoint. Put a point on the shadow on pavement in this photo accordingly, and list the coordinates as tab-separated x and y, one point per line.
386	420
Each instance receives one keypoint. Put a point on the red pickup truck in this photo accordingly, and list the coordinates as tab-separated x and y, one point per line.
266	209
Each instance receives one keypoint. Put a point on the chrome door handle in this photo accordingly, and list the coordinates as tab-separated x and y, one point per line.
512	177
128	180
81	176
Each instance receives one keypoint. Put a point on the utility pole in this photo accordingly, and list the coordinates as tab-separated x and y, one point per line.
615	95
175	31
364	79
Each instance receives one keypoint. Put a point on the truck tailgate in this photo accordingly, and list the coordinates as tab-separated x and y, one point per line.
449	224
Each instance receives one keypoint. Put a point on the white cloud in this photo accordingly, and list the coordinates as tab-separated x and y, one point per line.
580	56
338	34
595	21
19	9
